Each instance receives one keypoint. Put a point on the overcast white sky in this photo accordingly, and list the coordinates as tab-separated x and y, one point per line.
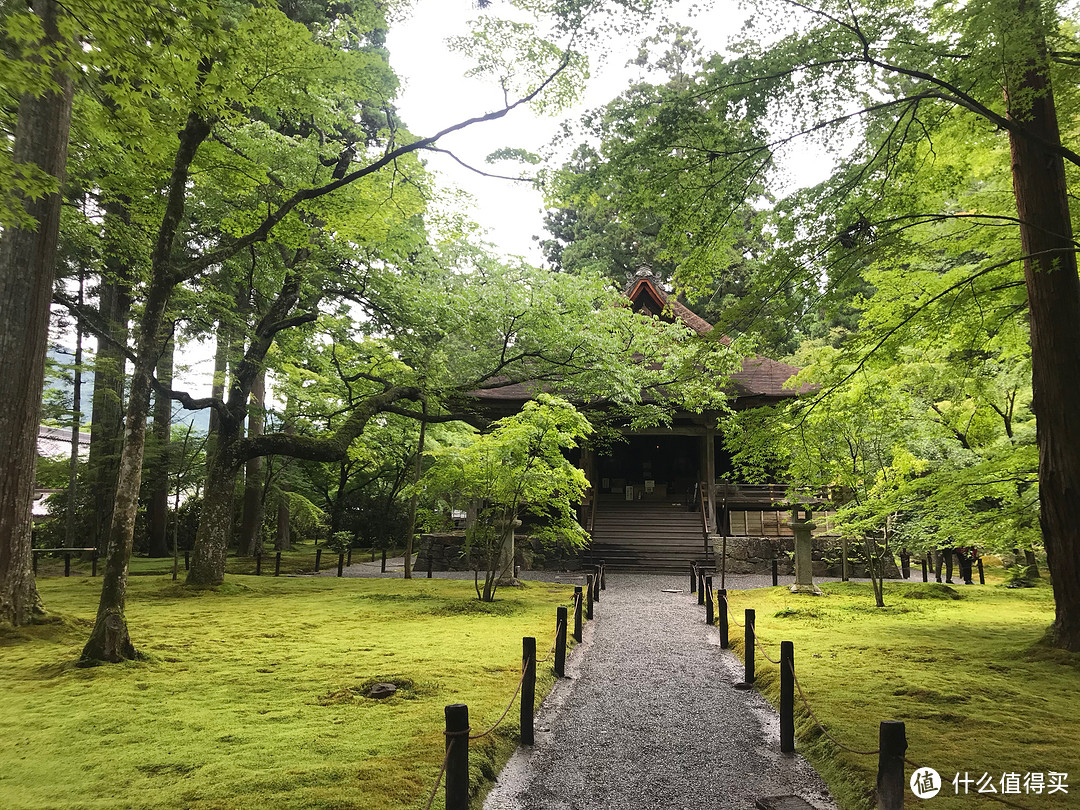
435	94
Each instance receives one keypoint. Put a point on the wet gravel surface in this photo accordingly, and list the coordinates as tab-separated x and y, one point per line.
648	716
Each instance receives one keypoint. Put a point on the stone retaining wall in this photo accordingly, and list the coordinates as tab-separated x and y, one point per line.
754	555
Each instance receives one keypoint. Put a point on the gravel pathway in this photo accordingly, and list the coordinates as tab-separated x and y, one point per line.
648	717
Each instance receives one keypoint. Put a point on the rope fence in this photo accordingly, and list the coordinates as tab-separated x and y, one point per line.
455	766
892	739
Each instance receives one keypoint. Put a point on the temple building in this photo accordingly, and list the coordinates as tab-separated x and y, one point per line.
660	498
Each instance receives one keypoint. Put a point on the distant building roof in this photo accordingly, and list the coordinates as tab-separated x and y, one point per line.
55	442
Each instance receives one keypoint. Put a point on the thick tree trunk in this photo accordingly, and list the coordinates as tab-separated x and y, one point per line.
283	539
27	266
158	512
252	516
109	640
76	427
213	537
217	388
1053	288
107	420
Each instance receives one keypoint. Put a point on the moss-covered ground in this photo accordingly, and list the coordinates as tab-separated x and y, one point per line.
252	695
965	667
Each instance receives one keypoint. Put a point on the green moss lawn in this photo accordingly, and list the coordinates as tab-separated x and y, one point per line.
252	696
970	676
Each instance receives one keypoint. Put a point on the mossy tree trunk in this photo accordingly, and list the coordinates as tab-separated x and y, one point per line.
27	267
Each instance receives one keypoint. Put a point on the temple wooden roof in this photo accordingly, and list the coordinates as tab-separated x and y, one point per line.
760	379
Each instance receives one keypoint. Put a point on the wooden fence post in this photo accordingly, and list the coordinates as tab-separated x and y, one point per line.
982	575
708	601
277	564
577	612
340	563
94	559
693	578
775	573
925	578
787	697
318	559
721	604
603	579
560	642
589	596
892	742
596	583
528	689
701	588
384	560
748	653
348	557
429	563
457	757
67	564
258	565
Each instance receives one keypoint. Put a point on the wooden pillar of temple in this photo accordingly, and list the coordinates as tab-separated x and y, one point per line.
710	478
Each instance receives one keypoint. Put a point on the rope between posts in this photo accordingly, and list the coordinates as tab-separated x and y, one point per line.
757	640
727	607
824	731
506	712
554	643
446	760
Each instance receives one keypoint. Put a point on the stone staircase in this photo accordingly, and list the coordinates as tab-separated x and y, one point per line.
645	536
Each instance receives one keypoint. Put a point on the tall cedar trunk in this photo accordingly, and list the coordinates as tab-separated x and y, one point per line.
158	471
109	640
27	266
214	533
283	540
1054	305
417	471
107	405
217	387
252	517
76	426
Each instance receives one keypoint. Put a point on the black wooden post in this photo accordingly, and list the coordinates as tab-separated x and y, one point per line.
982	575
373	552
429	564
577	612
384	560
925	577
596	583
775	573
693	578
187	560
340	563
457	757
348	556
603	579
721	604
528	689
588	596
709	617
67	564
701	588
258	565
787	697
892	742
560	642
94	558
748	642
277	564
318	559
905	564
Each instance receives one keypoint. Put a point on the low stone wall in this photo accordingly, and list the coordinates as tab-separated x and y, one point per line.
754	555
